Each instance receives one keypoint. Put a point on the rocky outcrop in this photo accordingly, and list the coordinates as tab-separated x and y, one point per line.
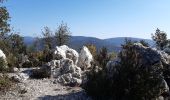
85	58
20	77
66	63
64	66
165	58
147	59
65	72
69	79
111	67
147	56
63	52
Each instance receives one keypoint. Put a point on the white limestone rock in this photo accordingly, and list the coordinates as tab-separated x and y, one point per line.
2	54
85	58
65	72
67	66
54	63
20	77
68	79
15	69
62	52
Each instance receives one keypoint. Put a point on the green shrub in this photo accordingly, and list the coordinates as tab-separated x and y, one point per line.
27	64
40	73
40	57
130	80
98	85
92	49
35	62
3	65
133	80
103	57
5	83
12	61
112	55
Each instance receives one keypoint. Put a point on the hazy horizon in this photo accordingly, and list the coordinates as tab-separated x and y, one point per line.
97	18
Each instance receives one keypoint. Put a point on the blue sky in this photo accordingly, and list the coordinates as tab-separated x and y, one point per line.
96	18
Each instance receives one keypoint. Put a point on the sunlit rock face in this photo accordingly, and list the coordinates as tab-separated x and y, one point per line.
67	65
3	56
85	58
65	71
62	52
64	66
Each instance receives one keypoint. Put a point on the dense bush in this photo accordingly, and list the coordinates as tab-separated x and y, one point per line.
40	73
103	57
112	55
134	81
5	83
130	80
12	61
92	49
3	65
98	85
27	64
37	59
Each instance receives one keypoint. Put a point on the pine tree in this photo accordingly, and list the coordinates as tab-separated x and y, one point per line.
4	19
47	37
160	38
62	34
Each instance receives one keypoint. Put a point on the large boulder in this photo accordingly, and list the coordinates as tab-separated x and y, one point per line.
147	58
63	52
85	58
66	63
65	72
111	67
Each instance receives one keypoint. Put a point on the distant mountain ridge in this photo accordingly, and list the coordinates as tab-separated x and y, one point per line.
113	44
120	40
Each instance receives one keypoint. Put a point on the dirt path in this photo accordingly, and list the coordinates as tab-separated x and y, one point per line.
44	89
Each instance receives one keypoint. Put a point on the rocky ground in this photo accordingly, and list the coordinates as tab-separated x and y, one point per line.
43	89
65	69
